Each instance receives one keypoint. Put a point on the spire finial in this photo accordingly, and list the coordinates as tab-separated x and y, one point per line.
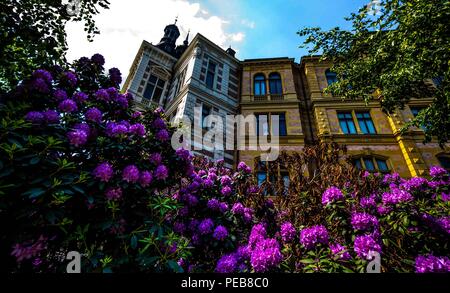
176	19
186	41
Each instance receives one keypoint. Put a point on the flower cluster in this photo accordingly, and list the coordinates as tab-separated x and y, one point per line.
312	236
364	221
287	232
432	264
331	195
364	245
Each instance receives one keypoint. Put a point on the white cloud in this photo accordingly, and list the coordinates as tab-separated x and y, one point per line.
248	23
127	23
237	37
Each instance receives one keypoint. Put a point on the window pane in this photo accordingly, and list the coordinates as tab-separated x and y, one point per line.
152	79
363	127
370	127
369	164
149	91
351	127
157	94
331	77
283	131
445	162
344	127
210	80
261	177
382	166
161	83
357	163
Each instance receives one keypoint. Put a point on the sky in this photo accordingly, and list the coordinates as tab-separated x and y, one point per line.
254	28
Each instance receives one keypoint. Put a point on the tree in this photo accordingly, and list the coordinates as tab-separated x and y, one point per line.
388	55
33	34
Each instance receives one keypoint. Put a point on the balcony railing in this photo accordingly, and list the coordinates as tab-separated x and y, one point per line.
264	98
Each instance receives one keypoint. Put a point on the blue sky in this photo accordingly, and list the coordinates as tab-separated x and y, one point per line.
275	23
254	28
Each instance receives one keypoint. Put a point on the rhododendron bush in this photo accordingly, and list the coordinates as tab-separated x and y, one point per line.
80	170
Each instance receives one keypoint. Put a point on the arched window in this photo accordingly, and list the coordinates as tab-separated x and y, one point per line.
275	84
331	76
259	85
444	160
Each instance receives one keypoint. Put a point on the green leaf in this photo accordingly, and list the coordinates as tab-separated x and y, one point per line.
34	192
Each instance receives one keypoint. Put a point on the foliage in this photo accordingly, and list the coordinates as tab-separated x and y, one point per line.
80	171
33	34
390	55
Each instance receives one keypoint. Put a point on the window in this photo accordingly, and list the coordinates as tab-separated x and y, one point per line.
438	81
365	123
331	77
154	88
444	160
266	127
275	84
206	110
415	110
371	164
259	85
346	123
180	82
261	177
210	75
275	173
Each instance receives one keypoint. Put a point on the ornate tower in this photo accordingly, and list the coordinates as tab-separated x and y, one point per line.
171	34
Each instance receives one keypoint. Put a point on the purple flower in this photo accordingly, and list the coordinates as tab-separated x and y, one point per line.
368	202
220	233
29	250
248	215
68	106
432	264
179	227
225	180
237	209
77	137
136	114
104	171
35	117
155	159
287	232
94	114
437	171
130	174
213	204
208	183
70	78
266	255
223	207
102	95
253	189
60	95
444	223
340	250
183	154
257	235
391	178
162	135
80	97
137	129
40	85
314	235
331	195
227	264
415	183
396	196
159	123
384	210
115	75
44	74
445	196
115	129
364	244
51	116
205	226
113	193
242	167
98	59
161	172
191	200
226	191
82	126
364	221
146	178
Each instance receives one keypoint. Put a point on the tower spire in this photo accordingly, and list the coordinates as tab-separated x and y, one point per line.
176	19
186	41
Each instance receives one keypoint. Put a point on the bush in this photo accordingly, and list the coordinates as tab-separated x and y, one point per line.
79	170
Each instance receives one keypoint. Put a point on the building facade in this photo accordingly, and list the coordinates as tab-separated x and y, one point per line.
197	79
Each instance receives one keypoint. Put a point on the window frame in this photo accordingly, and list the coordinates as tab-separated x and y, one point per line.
374	159
269	123
346	120
210	72
363	121
155	87
330	75
275	78
261	84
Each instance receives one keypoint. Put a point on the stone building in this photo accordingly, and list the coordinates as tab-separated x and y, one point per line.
196	79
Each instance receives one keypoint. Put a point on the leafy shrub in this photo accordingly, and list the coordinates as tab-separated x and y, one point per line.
79	170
